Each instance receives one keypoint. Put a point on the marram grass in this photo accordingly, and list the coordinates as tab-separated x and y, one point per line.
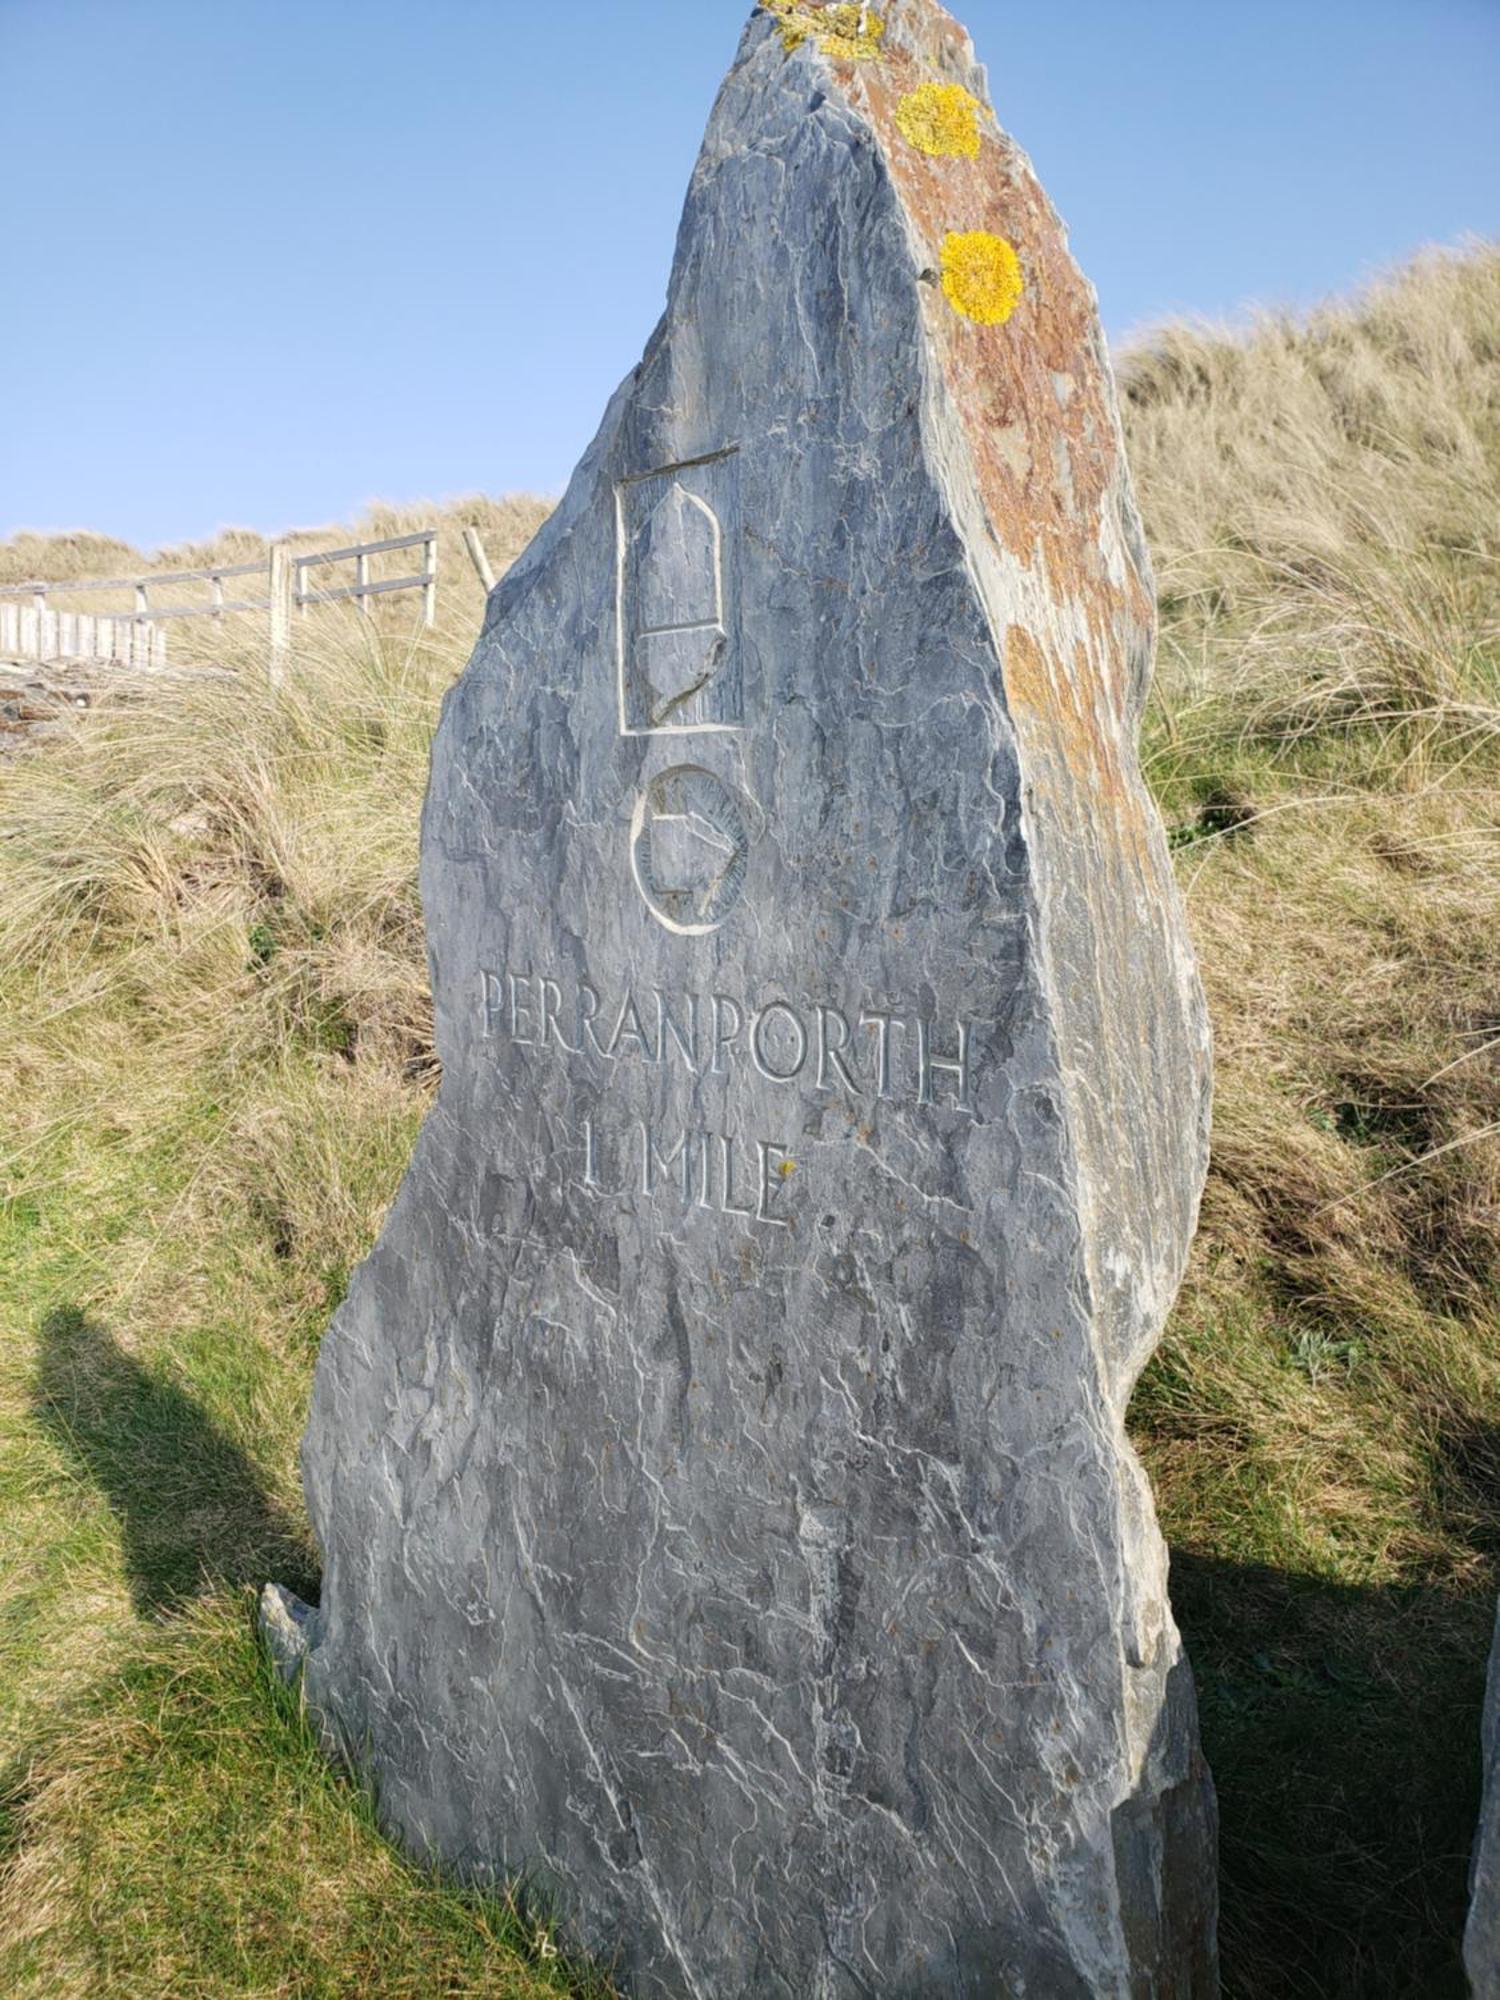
215	1033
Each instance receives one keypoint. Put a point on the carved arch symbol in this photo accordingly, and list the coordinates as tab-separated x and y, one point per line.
690	539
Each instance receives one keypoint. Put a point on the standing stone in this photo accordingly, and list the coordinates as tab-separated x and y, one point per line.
1482	1937
719	1463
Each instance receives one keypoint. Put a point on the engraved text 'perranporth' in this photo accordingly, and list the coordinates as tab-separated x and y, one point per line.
866	1055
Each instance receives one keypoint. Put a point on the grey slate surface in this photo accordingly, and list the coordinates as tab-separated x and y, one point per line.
719	1463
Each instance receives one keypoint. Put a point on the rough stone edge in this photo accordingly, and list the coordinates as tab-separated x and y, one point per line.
289	1629
1482	1930
1155	1823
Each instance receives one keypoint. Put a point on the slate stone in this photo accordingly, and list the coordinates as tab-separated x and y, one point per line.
720	1462
1482	1935
285	1622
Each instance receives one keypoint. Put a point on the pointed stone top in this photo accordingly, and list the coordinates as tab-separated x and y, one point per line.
1011	328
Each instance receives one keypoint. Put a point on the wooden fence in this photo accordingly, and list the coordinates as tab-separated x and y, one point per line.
34	631
362	589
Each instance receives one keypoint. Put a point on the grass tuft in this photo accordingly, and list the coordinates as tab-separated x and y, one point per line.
179	1831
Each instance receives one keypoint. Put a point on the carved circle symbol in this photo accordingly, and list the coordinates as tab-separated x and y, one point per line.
688	849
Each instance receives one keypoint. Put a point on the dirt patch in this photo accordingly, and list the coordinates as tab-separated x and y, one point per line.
37	702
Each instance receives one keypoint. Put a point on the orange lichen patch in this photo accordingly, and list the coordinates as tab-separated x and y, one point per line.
844	31
941	118
1034	403
1036	410
981	275
1027	682
1058	713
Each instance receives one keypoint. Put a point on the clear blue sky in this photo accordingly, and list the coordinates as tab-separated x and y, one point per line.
267	259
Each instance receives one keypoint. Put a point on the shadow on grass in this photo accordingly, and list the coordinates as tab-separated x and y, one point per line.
194	1510
1341	1723
1342	1728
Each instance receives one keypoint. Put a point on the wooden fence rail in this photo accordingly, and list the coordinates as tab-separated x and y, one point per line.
31	630
143	585
362	589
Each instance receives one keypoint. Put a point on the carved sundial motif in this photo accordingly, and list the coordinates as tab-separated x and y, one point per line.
688	848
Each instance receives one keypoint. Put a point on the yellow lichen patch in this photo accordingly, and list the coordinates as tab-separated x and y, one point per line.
981	275
794	30
850	32
853	33
941	118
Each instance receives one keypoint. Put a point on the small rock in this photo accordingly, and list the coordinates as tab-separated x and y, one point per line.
288	1626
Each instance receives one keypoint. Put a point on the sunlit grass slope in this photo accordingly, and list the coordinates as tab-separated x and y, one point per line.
214	1035
503	524
1322	1423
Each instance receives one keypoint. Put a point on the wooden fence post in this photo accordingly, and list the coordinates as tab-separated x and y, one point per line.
479	558
280	594
429	589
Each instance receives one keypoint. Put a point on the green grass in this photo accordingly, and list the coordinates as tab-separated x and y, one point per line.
219	1035
215	1035
187	1838
1322	1421
168	1823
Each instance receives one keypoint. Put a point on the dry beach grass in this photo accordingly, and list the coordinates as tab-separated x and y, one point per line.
214	1028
